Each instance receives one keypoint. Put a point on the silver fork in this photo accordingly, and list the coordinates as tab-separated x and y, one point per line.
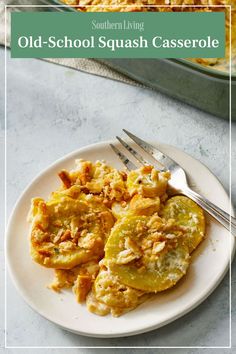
178	182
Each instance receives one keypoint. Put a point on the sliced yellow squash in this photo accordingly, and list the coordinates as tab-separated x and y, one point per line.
188	215
146	253
120	209
138	205
67	231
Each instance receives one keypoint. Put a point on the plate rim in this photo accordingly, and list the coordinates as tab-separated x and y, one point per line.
110	335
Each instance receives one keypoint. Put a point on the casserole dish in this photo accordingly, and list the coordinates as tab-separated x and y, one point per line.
200	86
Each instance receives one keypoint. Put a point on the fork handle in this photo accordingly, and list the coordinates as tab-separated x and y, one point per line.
220	215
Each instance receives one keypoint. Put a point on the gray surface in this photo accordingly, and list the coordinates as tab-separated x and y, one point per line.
53	110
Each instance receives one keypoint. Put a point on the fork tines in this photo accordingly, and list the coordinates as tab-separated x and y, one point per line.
150	150
128	164
157	154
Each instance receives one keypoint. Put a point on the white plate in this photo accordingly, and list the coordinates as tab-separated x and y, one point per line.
209	262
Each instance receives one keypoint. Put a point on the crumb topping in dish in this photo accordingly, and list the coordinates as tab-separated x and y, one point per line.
220	64
114	237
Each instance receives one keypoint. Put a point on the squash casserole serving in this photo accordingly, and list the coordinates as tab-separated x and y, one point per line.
115	238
